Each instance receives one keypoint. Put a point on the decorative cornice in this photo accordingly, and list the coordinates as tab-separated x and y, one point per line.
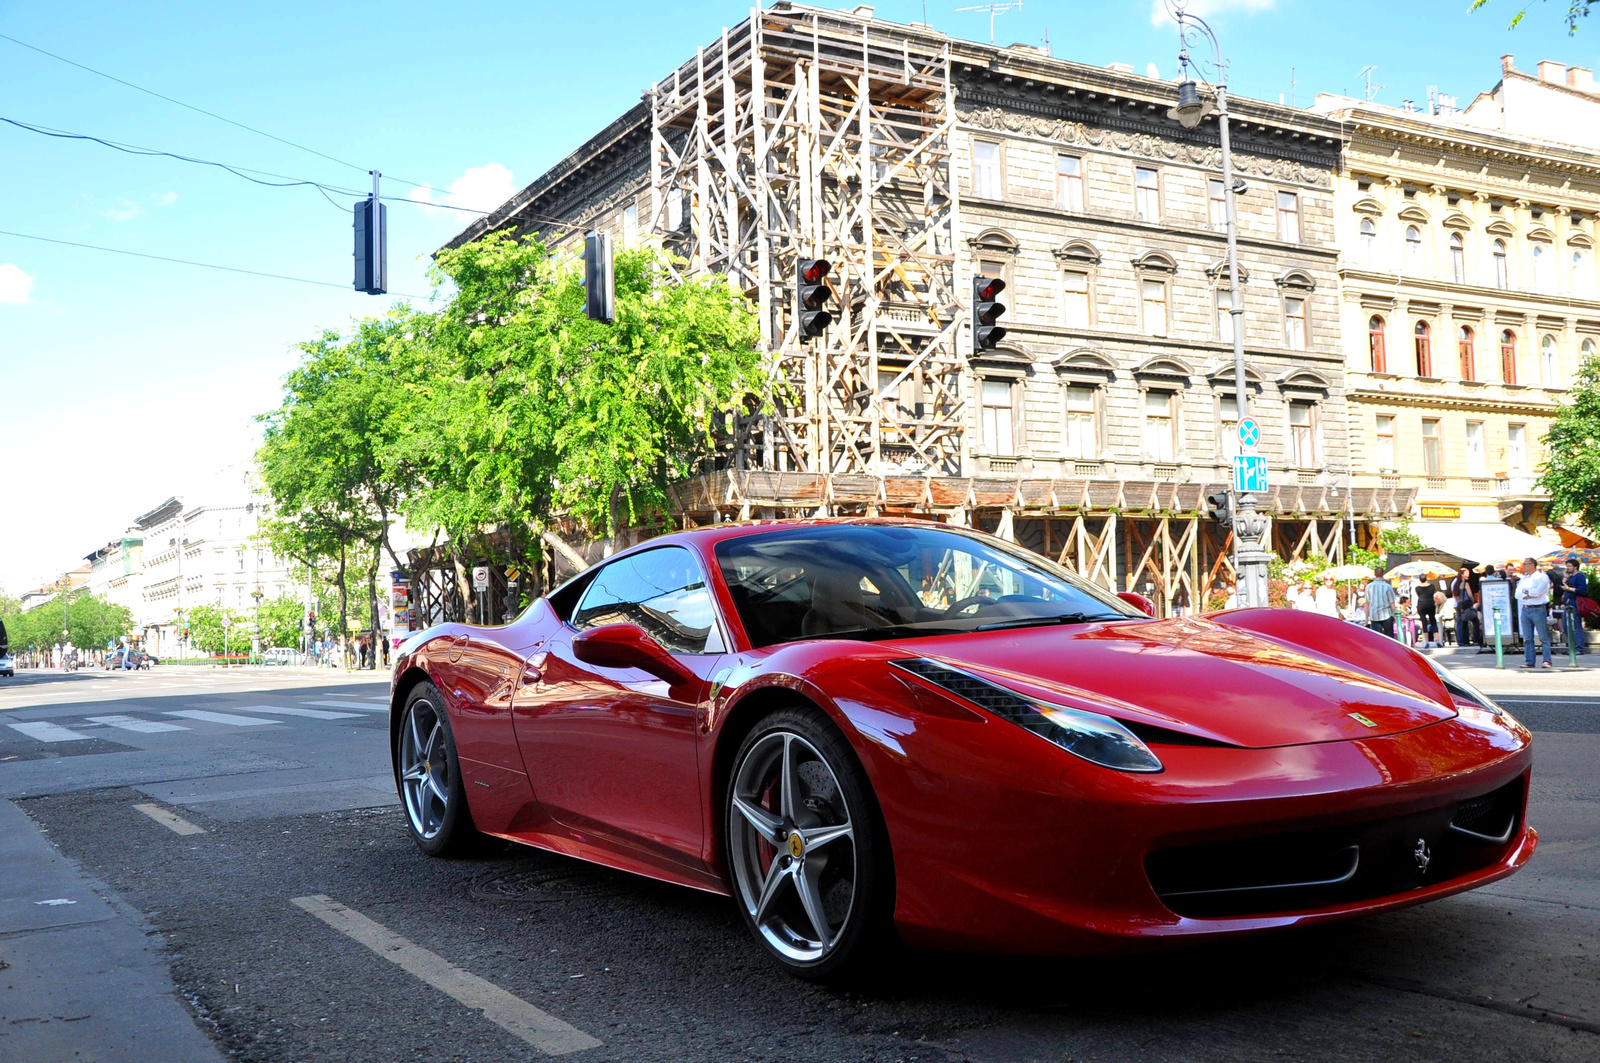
1469	403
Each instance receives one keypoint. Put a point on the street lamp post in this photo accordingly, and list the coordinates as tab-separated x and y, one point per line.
255	641
1250	560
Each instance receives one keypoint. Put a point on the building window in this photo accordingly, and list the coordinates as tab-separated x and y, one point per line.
675	210
1385	437
896	402
1541	268
1153	306
986	169
630	225
1294	323
1458	258
1217	204
1224	303
240	552
1431	463
1289	217
1147	194
1516	448
1464	347
1160	428
993	267
1075	299
1069	182
1508	356
1228	426
1547	361
1424	345
999	417
1369	243
1476	463
1413	250
1582	272
1079	440
1502	273
1377	347
1302	434
1586	351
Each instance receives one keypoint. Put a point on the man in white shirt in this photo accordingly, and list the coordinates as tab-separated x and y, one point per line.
1326	601
1533	602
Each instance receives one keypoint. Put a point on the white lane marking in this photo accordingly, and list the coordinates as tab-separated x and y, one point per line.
385	700
220	717
176	824
310	714
54	901
513	1014
349	705
133	723
48	732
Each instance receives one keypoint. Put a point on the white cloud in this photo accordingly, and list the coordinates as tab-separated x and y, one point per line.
166	199
123	210
479	188
16	287
1209	8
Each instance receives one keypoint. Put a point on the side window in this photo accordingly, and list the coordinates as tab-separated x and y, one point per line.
660	590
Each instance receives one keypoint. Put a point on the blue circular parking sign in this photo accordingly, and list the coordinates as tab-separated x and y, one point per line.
1249	432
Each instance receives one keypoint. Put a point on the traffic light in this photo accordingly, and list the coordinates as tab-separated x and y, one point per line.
599	289
812	293
372	246
1219	507
986	310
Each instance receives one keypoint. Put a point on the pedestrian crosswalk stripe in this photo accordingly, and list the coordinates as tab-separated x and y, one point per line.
220	717
349	705
312	714
133	723
48	732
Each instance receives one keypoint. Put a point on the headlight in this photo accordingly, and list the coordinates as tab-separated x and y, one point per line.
1096	738
1463	689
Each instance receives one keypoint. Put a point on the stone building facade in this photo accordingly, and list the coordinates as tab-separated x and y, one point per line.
1469	297
915	161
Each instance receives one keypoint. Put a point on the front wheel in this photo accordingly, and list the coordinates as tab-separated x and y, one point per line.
809	860
428	775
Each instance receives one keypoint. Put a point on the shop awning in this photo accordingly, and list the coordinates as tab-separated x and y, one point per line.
1483	544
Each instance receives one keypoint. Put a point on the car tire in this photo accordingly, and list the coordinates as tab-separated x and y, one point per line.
826	841
427	775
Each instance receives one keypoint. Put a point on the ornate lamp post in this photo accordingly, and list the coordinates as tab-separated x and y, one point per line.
255	641
1250	560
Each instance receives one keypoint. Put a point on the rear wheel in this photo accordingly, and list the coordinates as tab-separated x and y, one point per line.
809	861
428	774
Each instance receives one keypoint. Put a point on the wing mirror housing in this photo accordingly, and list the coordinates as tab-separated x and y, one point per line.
628	646
1138	601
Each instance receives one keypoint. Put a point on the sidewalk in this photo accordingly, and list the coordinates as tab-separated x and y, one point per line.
1561	681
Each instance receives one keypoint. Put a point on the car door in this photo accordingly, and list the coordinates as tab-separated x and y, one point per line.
614	751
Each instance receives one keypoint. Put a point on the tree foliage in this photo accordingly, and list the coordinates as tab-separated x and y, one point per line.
1572	451
92	622
1576	9
206	631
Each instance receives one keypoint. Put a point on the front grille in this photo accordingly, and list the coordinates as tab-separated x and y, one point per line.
1311	869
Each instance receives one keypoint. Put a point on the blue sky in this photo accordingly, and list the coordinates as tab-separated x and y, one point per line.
123	381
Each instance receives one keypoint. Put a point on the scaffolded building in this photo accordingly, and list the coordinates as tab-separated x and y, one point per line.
911	161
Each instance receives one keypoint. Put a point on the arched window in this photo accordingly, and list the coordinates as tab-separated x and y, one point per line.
1424	349
1502	274
1587	350
1458	258
1464	340
1369	243
1413	250
1376	346
1547	361
1508	356
1582	272
1541	268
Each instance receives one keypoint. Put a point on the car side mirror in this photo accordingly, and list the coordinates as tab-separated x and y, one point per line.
1138	601
628	646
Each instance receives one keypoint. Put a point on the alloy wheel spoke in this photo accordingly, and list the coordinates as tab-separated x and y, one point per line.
437	788
433	739
816	837
788	784
413	773
776	875
806	885
416	732
769	826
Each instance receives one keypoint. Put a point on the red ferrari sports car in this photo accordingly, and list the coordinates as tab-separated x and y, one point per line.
869	729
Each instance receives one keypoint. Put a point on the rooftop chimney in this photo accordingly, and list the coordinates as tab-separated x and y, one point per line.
1552	72
1580	78
1506	65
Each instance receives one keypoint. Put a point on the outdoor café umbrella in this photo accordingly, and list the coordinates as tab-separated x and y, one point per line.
1418	568
1346	573
1582	555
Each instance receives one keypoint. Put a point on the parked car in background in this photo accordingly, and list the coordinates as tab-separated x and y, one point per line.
8	665
280	655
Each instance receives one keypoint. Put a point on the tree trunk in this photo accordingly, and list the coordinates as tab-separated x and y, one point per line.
344	608
372	601
562	547
463	580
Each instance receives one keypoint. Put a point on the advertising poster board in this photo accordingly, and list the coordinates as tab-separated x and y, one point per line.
1496	595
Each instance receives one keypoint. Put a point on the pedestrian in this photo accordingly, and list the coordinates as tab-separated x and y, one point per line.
1533	601
1577	589
1428	611
1469	629
1380	604
1445	607
1327	598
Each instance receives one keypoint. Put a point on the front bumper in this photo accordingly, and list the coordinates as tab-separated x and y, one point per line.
1104	861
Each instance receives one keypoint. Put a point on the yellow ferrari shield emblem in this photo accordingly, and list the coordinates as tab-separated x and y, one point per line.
1362	720
796	846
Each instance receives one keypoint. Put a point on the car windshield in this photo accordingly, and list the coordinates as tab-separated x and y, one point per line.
890	581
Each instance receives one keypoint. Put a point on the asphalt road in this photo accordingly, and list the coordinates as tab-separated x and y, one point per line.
292	919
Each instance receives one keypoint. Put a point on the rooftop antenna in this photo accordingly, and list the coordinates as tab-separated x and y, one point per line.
994	7
1372	90
1293	85
1047	40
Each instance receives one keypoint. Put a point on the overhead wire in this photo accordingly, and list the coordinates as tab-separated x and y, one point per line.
203	265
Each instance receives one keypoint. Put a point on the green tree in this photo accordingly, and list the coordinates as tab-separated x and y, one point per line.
282	620
1576	9
92	622
206	631
1572	450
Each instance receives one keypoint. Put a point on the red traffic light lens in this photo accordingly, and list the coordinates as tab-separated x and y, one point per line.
813	270
989	287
